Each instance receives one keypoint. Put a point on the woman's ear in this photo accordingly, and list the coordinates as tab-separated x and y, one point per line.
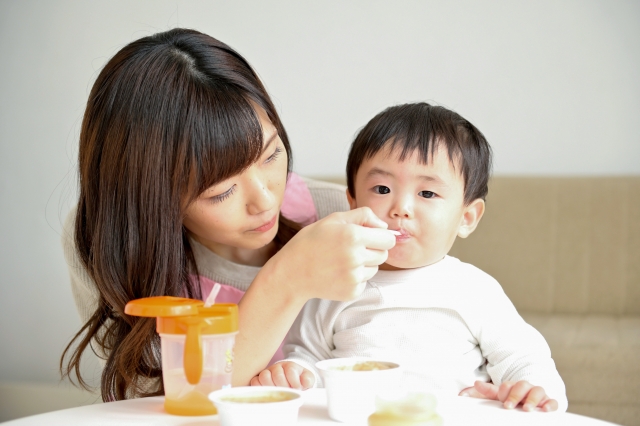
352	201
471	217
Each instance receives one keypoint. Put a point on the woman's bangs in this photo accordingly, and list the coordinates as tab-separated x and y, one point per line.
226	137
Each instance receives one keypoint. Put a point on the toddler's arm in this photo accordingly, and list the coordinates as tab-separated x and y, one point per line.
287	374
309	340
518	356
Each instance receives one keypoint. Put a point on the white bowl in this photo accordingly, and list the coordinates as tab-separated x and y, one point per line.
245	405
351	394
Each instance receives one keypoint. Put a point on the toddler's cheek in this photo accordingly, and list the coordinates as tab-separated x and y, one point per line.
403	258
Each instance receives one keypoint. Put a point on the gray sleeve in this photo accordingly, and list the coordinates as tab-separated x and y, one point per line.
327	197
85	293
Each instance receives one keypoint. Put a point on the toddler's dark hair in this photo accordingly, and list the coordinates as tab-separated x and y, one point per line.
424	128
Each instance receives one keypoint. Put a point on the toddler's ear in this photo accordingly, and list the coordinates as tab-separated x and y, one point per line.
352	201
471	217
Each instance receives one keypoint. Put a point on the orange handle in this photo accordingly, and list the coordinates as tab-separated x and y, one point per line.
193	352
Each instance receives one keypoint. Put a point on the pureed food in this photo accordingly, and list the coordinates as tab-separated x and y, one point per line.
261	398
366	366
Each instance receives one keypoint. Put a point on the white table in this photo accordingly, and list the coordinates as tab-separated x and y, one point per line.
149	411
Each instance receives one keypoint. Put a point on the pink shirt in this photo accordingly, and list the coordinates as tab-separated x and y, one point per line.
298	206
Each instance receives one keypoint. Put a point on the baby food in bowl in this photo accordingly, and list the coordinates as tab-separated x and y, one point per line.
261	397
367	366
247	405
353	383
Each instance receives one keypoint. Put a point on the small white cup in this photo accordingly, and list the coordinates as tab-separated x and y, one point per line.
351	394
239	407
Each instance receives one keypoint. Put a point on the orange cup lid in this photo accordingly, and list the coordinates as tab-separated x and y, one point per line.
163	306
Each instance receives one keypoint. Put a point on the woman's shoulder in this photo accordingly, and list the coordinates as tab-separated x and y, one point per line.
328	197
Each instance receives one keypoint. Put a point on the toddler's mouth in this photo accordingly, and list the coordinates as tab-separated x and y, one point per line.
402	234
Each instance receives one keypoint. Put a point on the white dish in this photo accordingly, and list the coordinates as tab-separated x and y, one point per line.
252	405
351	394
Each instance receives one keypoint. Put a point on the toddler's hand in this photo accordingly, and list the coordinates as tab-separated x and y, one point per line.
512	394
287	374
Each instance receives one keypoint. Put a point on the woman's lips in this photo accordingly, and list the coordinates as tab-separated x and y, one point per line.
266	226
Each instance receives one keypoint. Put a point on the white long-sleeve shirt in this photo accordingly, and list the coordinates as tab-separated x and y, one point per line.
447	324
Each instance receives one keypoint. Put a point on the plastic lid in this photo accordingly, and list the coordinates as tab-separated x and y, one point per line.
163	306
178	315
220	318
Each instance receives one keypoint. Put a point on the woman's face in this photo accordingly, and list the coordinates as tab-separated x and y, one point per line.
240	215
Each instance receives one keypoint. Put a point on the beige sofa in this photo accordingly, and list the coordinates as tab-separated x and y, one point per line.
567	253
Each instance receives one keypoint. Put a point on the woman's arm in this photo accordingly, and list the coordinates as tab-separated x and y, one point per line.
330	259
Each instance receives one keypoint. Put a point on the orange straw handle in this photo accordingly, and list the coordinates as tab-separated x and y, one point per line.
193	350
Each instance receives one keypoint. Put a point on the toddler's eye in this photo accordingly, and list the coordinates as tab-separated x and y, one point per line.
381	189
427	194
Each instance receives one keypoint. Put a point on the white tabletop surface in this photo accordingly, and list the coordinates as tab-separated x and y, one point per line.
149	411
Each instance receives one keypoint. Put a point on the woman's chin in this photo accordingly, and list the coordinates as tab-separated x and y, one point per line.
260	240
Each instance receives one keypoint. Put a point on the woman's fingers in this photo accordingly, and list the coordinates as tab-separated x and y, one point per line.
368	230
367	273
363	216
334	257
373	257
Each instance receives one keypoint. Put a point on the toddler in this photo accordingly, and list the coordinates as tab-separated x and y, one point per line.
424	170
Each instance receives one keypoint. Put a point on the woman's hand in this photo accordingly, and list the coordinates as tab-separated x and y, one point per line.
511	394
330	259
334	257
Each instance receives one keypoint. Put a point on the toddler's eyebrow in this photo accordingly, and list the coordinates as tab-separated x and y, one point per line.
434	179
376	171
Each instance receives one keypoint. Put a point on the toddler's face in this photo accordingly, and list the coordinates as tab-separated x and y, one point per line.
424	202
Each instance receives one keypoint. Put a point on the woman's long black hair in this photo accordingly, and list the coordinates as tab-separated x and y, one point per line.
169	116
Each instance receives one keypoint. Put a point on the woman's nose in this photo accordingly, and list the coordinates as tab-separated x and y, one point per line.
260	199
402	208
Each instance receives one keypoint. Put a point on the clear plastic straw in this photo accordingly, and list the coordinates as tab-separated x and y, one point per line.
211	299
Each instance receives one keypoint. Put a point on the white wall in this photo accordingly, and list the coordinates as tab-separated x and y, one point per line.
554	85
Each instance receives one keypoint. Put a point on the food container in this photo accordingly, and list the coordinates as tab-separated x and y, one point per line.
352	387
405	409
197	349
257	405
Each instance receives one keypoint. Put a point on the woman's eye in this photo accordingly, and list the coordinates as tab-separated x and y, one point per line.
223	196
273	156
427	194
381	189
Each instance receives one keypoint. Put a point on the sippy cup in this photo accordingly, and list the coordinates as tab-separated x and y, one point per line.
197	349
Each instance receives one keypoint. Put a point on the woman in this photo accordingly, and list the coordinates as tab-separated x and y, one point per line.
183	165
